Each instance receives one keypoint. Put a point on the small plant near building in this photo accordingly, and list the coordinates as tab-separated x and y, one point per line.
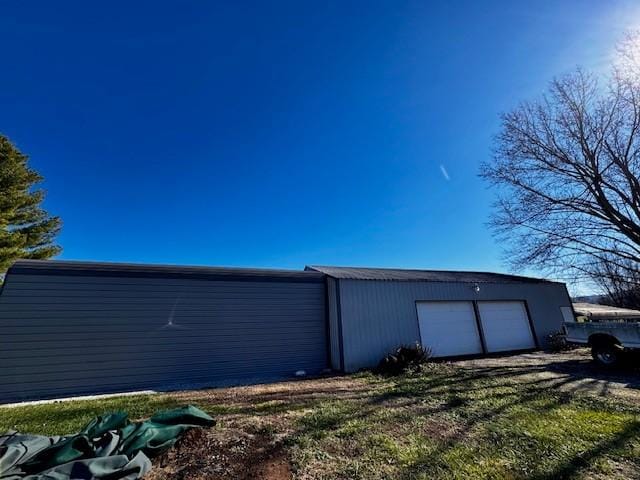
404	358
557	342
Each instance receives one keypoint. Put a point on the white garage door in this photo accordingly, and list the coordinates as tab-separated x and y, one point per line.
449	328
505	326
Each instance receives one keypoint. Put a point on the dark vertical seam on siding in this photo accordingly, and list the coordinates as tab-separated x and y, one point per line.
415	304
339	318
476	314
531	325
327	319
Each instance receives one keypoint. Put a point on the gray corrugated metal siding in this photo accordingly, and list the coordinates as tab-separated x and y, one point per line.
71	334
378	316
68	328
334	329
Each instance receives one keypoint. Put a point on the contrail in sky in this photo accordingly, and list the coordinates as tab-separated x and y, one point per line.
445	174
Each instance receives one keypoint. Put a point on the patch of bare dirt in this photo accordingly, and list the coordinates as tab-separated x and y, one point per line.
248	441
223	454
442	429
286	394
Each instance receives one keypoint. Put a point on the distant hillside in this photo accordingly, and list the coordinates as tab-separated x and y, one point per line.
589	298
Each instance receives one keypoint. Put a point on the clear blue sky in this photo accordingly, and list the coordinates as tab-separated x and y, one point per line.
281	134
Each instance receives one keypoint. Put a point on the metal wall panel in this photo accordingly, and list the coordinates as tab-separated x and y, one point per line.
378	316
334	329
69	335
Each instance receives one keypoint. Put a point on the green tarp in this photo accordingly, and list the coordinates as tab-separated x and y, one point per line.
108	448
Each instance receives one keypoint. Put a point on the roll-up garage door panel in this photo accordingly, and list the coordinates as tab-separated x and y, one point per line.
505	326
449	328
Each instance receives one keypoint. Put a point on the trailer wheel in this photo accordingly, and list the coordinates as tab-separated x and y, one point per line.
606	354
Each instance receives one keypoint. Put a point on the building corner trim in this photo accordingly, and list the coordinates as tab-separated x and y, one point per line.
340	330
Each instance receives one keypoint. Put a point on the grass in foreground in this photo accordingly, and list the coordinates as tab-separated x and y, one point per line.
441	422
447	422
63	418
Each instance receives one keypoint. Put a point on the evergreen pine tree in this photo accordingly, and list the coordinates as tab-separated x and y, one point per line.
26	230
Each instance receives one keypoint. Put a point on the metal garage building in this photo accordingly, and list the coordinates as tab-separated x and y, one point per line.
68	328
372	311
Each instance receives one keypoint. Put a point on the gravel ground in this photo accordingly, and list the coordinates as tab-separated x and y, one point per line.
575	367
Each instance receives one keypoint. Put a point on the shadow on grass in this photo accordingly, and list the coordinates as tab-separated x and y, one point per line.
474	398
573	466
501	391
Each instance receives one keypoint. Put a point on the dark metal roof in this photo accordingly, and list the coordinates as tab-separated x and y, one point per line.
313	273
404	275
101	269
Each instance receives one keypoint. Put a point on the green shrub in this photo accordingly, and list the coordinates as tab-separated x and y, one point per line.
557	342
406	357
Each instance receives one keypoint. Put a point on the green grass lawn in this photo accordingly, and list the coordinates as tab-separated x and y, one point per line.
450	423
442	422
68	417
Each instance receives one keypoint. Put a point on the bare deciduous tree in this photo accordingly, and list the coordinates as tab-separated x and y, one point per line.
621	285
567	167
